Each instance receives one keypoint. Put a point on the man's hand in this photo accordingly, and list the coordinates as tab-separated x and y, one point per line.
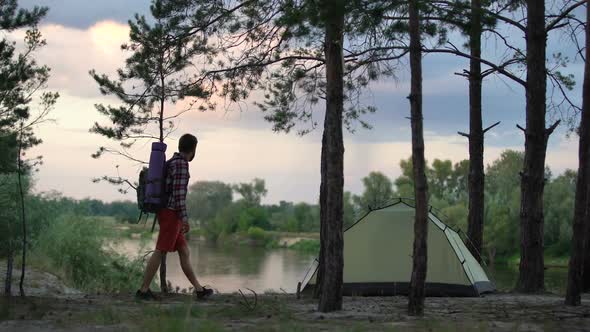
185	228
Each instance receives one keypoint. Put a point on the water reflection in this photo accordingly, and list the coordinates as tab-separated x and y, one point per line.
231	268
228	269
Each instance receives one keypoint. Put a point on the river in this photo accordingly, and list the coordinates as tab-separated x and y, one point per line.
228	269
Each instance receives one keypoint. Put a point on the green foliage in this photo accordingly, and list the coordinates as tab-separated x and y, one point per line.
306	217
218	215
447	189
446	182
559	213
252	193
307	246
8	153
253	217
206	198
149	78
10	227
350	212
257	234
378	192
153	77
74	247
21	78
501	216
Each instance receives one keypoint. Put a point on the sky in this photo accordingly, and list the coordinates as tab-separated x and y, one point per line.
237	145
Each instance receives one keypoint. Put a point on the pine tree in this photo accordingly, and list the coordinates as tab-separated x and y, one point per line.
420	260
21	80
580	244
154	75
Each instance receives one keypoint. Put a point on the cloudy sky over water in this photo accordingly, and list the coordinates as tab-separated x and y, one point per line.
238	145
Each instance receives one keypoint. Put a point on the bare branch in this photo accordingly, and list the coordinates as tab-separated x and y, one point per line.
551	129
490	127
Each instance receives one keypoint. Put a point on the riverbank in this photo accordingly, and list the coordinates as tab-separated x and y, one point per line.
255	237
302	242
283	312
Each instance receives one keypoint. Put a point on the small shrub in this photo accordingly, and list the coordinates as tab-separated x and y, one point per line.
258	234
307	246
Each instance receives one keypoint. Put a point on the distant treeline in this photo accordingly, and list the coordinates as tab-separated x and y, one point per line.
212	204
122	211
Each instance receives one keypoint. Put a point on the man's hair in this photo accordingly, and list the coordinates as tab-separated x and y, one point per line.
187	143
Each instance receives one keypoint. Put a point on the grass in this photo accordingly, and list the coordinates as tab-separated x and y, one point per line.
277	312
307	235
550	261
306	246
186	317
74	249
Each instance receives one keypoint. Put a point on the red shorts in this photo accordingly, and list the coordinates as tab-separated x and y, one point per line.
170	237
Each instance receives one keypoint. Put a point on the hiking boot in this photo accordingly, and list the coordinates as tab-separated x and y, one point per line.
205	293
146	296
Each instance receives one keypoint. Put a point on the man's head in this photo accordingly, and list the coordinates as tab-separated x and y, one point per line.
187	145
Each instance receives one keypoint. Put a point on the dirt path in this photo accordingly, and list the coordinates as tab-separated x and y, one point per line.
501	312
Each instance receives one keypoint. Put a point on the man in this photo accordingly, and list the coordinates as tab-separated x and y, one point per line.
173	221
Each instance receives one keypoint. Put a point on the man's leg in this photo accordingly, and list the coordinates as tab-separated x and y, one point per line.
187	268
151	269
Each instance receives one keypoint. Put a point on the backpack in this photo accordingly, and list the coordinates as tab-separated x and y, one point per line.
152	194
152	190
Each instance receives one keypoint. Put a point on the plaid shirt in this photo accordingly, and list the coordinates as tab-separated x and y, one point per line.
177	182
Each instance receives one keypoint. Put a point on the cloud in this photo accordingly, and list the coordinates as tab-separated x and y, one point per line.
238	146
71	53
288	163
84	14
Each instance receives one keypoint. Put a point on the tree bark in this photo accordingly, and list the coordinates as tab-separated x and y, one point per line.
23	216
331	288
476	137
581	224
323	207
163	282
417	283
531	272
586	264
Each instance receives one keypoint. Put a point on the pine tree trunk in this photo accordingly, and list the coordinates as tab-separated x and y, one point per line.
476	138
586	264
163	282
331	288
417	283
581	224
323	207
531	276
23	216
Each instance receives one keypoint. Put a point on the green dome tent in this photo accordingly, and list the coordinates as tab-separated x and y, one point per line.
378	257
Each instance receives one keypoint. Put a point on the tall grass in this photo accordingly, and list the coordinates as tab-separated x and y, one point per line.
74	248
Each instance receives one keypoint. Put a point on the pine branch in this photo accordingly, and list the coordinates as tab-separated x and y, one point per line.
555	23
454	50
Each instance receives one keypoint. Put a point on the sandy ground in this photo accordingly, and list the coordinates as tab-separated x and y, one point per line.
283	312
51	306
